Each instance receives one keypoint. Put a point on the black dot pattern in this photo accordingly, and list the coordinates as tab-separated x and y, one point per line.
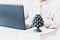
38	21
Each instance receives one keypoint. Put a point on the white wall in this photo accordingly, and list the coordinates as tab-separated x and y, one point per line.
18	2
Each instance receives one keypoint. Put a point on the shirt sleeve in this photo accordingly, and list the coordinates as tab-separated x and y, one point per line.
57	17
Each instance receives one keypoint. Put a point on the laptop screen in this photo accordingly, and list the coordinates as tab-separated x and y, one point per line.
12	16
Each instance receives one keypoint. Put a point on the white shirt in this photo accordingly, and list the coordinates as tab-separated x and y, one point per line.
49	11
52	12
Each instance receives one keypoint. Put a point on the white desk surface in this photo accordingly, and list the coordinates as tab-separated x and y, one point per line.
14	34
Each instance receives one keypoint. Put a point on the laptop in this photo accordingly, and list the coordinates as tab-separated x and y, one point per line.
12	16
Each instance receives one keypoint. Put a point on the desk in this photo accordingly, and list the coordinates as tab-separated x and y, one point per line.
45	34
14	34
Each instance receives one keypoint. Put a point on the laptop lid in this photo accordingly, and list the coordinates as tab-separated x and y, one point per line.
12	16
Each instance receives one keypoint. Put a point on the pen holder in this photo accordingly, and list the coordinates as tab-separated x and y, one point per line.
38	22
